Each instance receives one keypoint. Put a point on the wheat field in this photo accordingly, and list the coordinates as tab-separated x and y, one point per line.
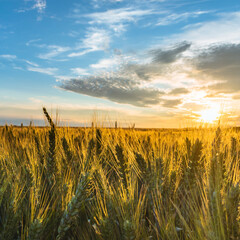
99	183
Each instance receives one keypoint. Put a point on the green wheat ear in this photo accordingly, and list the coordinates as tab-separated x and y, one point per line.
48	117
51	166
35	230
67	149
122	165
99	142
75	207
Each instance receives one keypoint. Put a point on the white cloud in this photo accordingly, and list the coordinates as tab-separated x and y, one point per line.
115	62
54	51
117	19
176	18
48	71
106	63
73	34
221	30
8	56
79	71
97	3
60	78
81	53
114	19
113	1
116	16
40	5
31	63
18	68
95	40
98	39
33	42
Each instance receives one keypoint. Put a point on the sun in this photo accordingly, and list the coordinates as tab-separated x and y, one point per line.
209	115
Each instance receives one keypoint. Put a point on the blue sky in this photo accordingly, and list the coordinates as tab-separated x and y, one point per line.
156	63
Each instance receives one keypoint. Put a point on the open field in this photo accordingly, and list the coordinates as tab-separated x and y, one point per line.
142	137
95	183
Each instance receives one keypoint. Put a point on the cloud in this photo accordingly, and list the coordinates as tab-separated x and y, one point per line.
54	51
98	3
116	16
170	55
31	63
79	71
116	89
146	72
114	19
174	18
33	42
212	62
18	68
171	103
161	64
48	71
178	91
8	56
95	40
192	106
209	60
40	5
220	63
106	63
220	30
131	83
98	38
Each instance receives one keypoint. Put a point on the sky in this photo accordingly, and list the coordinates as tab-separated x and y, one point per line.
152	63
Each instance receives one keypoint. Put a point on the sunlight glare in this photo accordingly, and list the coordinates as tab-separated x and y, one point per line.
210	115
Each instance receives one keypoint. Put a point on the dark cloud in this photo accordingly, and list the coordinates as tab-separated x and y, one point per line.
192	106
221	63
125	85
217	68
171	55
171	103
160	63
116	89
177	91
144	72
